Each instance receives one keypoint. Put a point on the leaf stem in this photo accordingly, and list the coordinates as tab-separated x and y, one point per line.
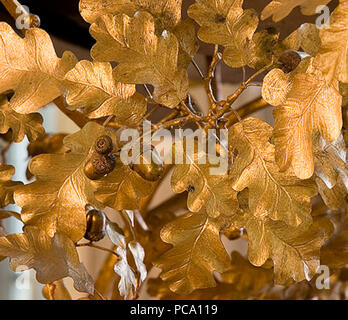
92	245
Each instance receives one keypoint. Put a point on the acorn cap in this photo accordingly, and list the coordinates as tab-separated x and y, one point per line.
104	145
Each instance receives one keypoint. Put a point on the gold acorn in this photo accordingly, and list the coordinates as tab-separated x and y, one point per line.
290	59
104	145
99	165
96	224
152	171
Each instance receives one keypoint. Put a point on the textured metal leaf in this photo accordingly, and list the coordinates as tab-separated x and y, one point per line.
332	59
294	250
279	9
226	23
274	194
196	254
52	258
56	202
30	67
142	56
19	124
91	86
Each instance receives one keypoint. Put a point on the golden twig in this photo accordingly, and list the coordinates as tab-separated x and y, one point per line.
208	79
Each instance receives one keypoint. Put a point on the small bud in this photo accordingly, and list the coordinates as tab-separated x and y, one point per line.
96	225
104	145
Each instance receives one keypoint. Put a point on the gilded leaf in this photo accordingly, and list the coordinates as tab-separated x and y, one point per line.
277	84
294	250
7	187
223	291
142	56
245	277
31	68
334	254
312	105
309	38
242	281
91	86
19	124
166	12
279	9
331	170
274	194
123	189
206	190
332	59
56	202
196	254
225	23
52	258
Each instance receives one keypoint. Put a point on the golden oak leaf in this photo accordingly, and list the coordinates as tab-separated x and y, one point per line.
279	9
332	59
274	194
277	84
150	239
123	189
334	253
245	277
294	250
196	254
46	144
167	12
312	105
266	46
56	202
331	170
91	86
159	289
51	258
223	291
242	281
225	23
206	190
143	57
262	48
19	124
31	68
185	32
309	38
7	187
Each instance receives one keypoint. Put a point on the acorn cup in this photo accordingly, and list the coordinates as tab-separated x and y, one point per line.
104	145
99	165
102	161
290	59
96	225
